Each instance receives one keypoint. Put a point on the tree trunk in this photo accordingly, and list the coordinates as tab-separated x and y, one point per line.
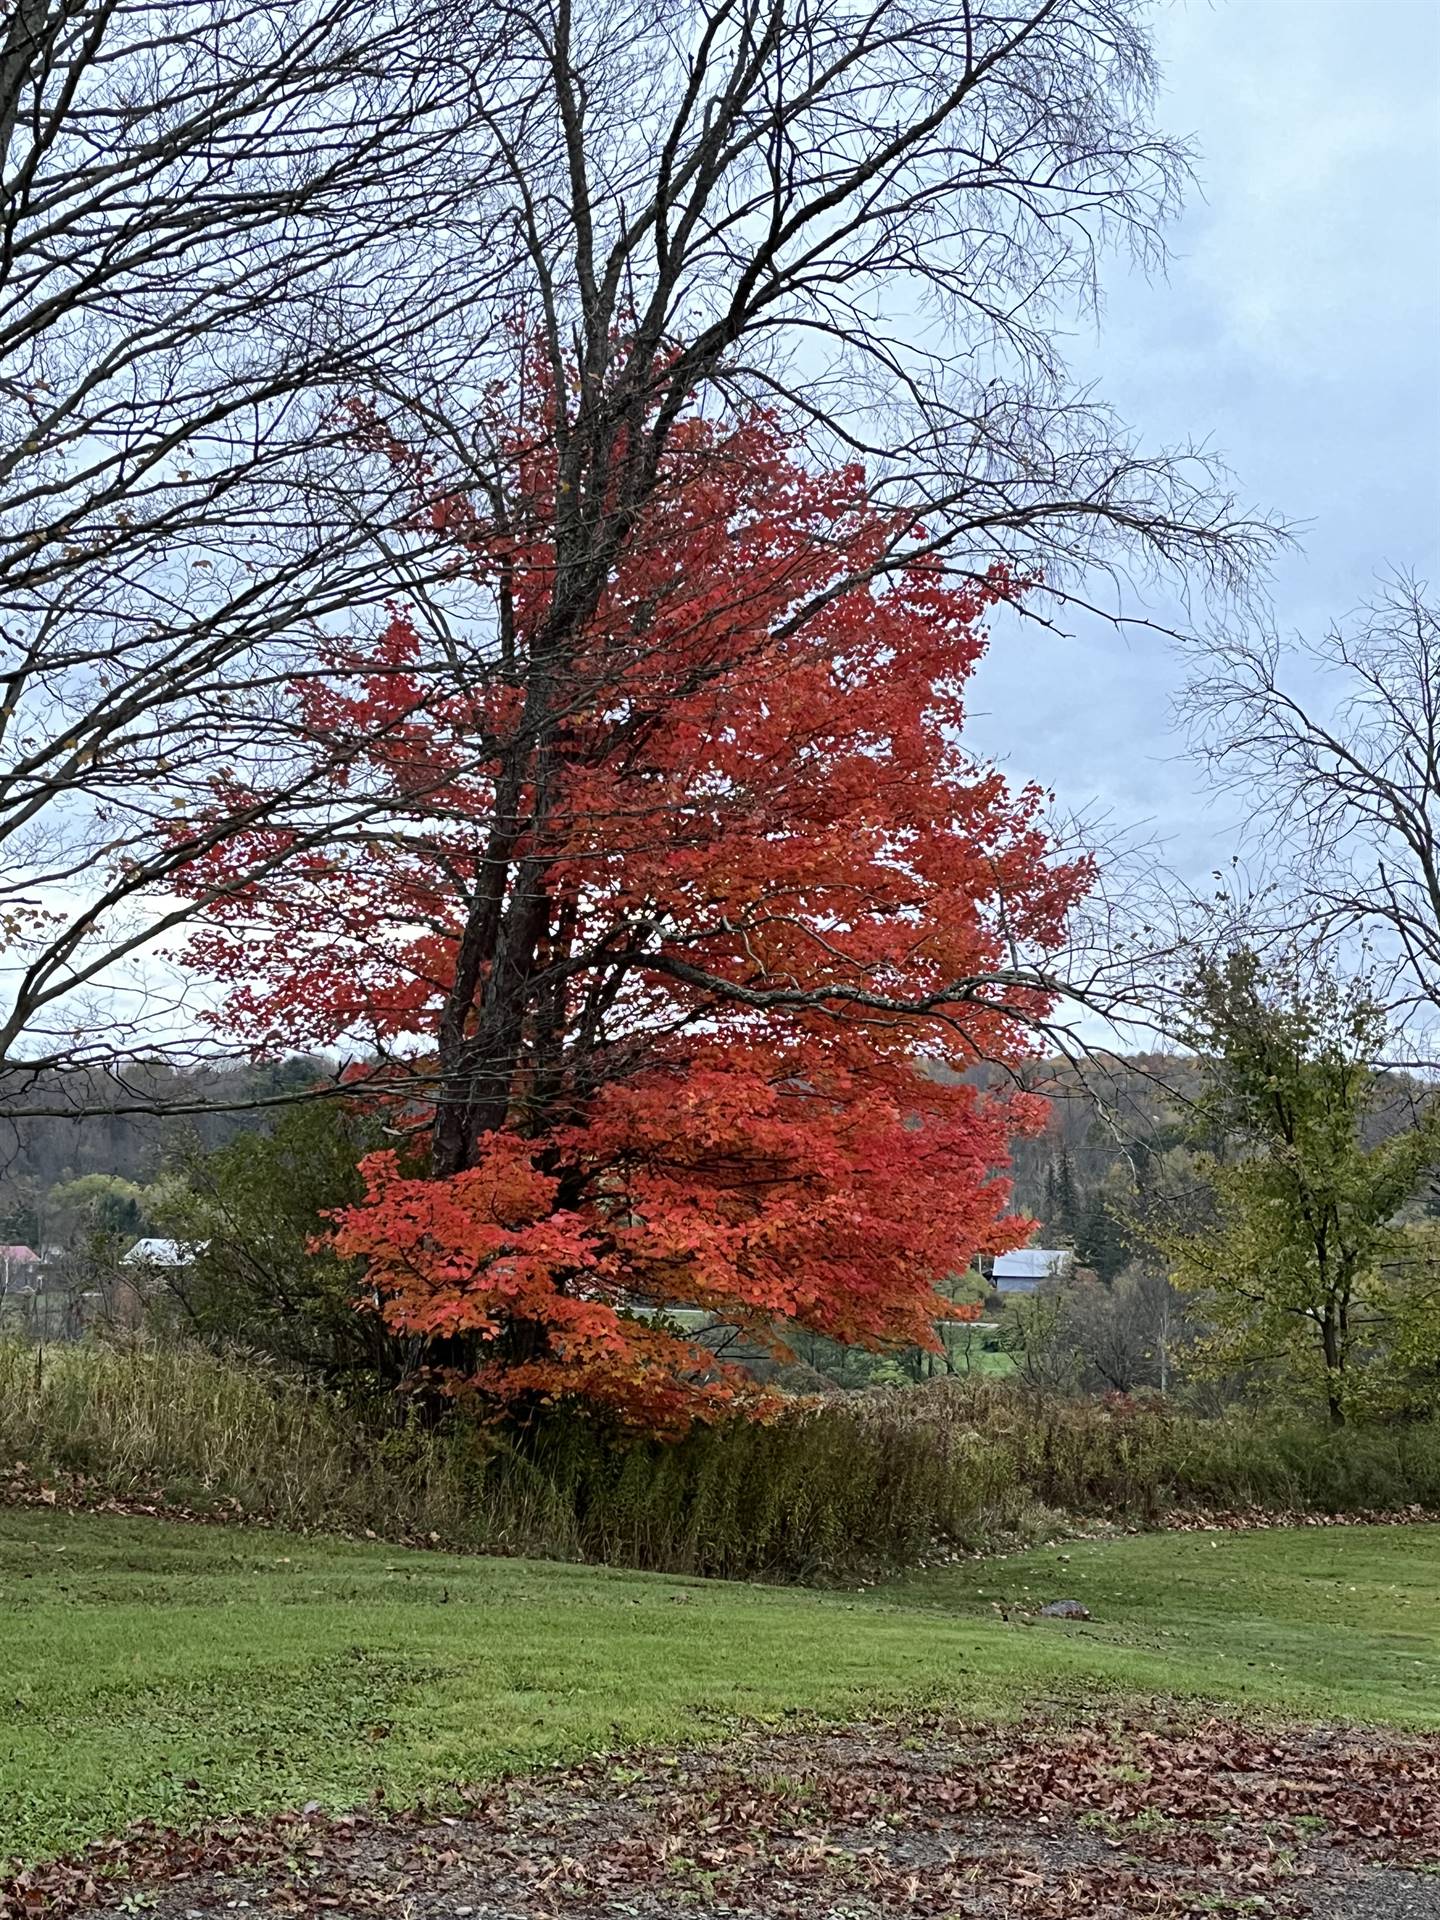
1334	1368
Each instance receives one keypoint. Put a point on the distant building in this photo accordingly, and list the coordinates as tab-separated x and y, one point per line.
161	1253
19	1269
1026	1270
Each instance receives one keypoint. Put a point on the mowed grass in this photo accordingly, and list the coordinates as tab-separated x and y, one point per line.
1329	1622
155	1669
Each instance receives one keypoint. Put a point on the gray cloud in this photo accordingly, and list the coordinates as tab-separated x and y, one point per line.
1297	333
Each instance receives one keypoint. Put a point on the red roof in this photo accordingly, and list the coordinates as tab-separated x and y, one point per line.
19	1256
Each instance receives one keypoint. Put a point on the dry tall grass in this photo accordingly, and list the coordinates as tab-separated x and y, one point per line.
864	1480
203	1430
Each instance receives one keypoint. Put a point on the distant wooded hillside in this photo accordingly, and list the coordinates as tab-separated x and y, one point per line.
1111	1124
1116	1129
84	1136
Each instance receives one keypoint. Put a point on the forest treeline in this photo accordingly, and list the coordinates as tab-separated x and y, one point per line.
1109	1122
1116	1127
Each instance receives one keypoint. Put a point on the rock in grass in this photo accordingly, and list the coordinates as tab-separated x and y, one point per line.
1065	1610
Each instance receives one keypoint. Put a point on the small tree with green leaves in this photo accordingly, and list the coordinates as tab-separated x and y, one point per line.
261	1274
1036	1335
75	1210
1295	1263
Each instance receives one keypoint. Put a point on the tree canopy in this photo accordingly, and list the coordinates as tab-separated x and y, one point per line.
650	969
1298	1263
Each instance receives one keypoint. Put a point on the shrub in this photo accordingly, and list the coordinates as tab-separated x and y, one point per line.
1135	1459
824	1488
827	1487
855	1482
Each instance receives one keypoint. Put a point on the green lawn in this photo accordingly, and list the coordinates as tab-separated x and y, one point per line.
1330	1622
155	1668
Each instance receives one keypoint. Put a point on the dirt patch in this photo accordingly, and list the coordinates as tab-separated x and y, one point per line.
922	1817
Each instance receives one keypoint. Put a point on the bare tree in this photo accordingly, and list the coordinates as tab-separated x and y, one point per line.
1335	746
218	227
1127	1334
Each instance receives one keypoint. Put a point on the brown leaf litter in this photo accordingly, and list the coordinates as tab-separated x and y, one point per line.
914	1819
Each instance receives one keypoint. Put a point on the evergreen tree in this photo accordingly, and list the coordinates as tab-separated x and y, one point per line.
1101	1243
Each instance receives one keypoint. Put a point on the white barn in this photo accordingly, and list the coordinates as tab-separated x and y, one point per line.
1025	1270
163	1253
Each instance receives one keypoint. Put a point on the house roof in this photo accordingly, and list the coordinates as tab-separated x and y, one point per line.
19	1256
1032	1263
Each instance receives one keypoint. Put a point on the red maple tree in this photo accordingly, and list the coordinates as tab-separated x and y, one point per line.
681	925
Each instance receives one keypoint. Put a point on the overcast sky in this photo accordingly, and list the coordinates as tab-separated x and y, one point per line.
1298	333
